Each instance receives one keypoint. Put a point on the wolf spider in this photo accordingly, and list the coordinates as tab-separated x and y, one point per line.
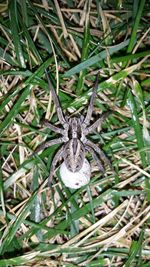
73	136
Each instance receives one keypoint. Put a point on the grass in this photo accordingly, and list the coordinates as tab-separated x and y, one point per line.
105	223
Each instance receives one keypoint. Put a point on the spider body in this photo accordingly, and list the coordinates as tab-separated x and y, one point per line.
74	154
74	151
74	133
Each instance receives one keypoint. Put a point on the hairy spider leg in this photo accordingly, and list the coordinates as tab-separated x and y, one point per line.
100	152
47	144
52	127
54	162
97	123
99	164
90	107
56	101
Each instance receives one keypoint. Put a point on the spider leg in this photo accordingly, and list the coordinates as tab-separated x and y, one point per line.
47	144
53	165
52	127
100	152
56	101
90	107
99	164
97	123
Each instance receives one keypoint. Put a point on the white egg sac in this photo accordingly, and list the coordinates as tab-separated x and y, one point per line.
75	180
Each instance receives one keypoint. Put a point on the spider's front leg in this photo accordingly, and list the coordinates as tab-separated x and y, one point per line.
90	107
97	123
56	101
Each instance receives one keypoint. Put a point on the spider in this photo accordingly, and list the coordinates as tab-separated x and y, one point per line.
73	136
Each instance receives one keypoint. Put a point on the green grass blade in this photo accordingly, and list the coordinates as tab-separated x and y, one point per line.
31	44
135	26
134	250
140	97
49	33
15	109
85	49
20	260
24	13
131	57
24	73
8	58
14	227
84	210
109	83
95	59
15	32
137	127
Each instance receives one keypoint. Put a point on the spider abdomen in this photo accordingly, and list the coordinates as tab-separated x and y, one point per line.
74	154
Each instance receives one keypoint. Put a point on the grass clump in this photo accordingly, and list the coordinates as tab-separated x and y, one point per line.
107	222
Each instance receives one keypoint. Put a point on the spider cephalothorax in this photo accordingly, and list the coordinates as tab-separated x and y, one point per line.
74	131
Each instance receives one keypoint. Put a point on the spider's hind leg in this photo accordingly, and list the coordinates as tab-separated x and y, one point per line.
100	153
54	163
99	164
